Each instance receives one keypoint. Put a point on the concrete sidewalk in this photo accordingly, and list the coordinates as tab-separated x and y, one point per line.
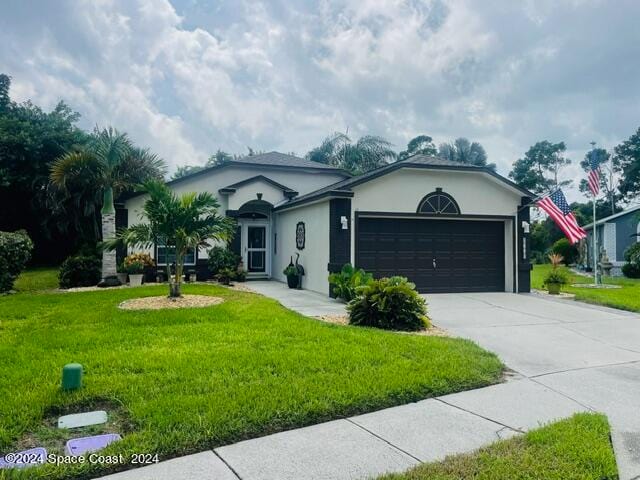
390	440
306	302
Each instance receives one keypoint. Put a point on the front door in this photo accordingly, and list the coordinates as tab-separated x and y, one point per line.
255	248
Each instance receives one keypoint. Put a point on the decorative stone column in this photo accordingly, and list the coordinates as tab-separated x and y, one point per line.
108	233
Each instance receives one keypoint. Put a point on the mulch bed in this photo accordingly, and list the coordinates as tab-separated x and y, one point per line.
162	302
433	331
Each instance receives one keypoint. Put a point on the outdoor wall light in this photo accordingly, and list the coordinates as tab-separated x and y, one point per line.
345	222
525	226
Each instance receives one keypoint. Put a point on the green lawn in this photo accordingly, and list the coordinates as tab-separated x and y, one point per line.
34	279
574	449
181	381
625	298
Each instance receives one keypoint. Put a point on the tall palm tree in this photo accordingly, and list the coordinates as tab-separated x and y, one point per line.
368	153
464	151
109	165
180	222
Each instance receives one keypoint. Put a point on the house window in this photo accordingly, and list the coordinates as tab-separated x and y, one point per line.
439	203
166	254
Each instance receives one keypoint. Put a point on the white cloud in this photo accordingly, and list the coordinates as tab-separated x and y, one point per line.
186	79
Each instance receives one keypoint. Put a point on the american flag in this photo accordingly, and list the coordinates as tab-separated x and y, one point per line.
594	173
558	209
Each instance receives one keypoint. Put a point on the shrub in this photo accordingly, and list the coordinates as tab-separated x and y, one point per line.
80	271
390	303
631	269
221	258
568	251
345	283
15	252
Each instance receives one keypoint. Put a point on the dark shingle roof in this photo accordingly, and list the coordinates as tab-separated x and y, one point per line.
282	160
420	161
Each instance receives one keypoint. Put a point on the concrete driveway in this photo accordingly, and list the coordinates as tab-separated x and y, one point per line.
589	354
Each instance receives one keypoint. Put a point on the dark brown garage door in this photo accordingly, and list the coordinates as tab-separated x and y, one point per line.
437	255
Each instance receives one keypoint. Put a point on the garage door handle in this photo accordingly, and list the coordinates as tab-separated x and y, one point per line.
435	265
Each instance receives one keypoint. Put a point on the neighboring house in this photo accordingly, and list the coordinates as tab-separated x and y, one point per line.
447	226
615	233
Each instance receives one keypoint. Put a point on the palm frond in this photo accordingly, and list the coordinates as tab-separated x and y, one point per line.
73	167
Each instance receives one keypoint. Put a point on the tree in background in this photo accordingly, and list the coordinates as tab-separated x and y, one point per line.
539	170
218	158
609	181
368	153
30	141
627	159
183	222
422	144
464	151
109	165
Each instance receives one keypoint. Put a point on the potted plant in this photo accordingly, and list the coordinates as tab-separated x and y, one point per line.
557	277
225	275
135	271
192	275
293	278
122	274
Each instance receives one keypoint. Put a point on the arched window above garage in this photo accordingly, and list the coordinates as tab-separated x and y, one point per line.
439	203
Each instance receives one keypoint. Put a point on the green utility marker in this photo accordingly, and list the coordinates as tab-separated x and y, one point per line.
71	376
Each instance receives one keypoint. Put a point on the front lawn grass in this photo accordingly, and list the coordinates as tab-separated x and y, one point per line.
36	279
189	380
574	449
625	298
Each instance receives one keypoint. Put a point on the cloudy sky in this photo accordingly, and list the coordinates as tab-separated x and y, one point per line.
186	77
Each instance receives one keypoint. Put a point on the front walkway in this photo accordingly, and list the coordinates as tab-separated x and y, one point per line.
569	357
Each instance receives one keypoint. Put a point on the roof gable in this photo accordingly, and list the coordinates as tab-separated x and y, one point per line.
288	192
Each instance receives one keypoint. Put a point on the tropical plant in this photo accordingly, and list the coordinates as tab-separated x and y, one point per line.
389	303
79	271
142	258
291	271
182	223
344	284
464	151
134	268
225	275
222	257
15	252
368	153
110	165
557	276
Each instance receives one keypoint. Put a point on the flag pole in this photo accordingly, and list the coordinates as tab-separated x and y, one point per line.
594	233
595	244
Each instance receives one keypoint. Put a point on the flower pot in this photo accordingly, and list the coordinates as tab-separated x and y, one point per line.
122	277
553	288
192	277
135	279
293	281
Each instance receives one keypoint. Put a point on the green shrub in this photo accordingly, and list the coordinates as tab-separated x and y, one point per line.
80	271
631	269
568	251
345	283
134	268
225	275
389	303
558	276
15	252
222	258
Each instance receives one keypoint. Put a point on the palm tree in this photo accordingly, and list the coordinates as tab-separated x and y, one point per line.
464	151
109	165
368	153
182	223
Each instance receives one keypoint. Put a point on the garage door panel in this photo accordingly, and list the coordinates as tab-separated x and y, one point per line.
469	255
